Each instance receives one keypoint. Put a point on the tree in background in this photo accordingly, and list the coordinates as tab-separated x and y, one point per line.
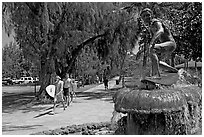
14	64
11	60
87	64
189	31
55	34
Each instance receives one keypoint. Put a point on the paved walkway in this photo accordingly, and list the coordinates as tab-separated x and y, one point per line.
91	106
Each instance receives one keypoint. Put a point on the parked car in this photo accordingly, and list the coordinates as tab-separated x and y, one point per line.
27	80
7	81
36	80
24	80
16	81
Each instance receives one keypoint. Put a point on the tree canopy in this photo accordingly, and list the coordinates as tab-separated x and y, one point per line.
14	64
55	34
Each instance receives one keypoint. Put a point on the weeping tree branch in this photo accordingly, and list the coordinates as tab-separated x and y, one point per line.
34	9
77	50
55	33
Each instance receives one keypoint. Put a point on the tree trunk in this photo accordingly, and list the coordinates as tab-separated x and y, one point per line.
173	60
79	48
186	64
47	75
196	69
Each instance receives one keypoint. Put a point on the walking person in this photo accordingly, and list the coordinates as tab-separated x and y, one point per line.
105	81
66	89
58	97
72	90
97	79
105	77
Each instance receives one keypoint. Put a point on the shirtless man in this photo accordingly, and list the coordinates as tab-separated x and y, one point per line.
166	46
66	88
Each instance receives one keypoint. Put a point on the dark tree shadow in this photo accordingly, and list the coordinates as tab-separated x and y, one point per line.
106	95
43	114
17	128
46	111
15	101
12	102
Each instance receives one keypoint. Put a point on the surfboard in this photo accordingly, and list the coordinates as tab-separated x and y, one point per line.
167	68
51	90
165	79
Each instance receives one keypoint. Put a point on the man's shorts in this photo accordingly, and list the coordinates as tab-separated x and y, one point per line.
58	98
66	91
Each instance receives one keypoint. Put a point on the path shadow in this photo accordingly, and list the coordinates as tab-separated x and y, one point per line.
17	128
106	95
43	114
13	101
47	112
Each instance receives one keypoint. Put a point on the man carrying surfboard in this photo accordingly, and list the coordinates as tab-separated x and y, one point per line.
58	97
165	46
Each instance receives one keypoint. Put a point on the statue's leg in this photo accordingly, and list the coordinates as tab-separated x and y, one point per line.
155	63
165	49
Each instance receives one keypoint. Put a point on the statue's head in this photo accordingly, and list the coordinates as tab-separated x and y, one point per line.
146	15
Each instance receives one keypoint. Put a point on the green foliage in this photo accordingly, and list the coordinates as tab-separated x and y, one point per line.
11	59
14	63
193	30
185	21
122	37
26	65
87	62
62	30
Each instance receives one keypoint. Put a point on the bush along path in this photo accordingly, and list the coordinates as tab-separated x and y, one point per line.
102	128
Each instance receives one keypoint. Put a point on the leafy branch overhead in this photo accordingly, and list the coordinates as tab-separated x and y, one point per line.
55	33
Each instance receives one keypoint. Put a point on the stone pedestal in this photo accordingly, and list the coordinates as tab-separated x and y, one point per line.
172	111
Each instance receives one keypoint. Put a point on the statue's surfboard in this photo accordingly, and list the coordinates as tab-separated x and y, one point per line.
51	90
165	79
167	67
